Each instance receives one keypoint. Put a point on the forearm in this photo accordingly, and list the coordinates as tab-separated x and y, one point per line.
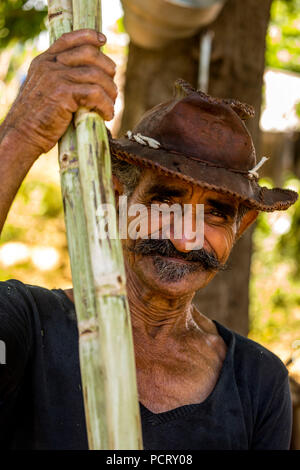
16	158
70	74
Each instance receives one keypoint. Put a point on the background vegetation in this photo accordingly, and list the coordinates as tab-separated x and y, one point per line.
283	39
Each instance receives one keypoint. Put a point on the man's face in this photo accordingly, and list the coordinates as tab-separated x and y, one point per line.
173	265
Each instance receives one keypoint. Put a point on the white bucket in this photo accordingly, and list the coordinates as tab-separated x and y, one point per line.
154	23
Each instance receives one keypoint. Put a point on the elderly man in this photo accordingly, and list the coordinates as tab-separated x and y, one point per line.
200	385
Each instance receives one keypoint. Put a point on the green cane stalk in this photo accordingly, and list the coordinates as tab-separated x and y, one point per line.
105	338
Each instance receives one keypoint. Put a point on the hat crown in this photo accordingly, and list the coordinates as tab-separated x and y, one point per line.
201	127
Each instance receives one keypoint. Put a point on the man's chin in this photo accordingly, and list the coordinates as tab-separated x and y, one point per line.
172	275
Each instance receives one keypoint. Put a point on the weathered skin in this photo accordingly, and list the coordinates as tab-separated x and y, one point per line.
179	353
70	74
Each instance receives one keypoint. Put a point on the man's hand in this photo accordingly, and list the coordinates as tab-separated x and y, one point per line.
71	73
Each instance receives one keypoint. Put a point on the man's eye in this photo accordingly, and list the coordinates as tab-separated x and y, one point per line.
217	213
162	200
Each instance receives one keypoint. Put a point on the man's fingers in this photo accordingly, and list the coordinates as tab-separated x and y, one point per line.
95	98
87	55
53	91
91	75
77	38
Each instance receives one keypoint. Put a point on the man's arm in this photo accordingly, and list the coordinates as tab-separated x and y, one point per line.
71	73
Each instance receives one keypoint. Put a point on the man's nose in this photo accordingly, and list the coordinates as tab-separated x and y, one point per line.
191	235
184	244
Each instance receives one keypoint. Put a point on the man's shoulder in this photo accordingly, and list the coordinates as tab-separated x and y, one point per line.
253	359
258	354
15	294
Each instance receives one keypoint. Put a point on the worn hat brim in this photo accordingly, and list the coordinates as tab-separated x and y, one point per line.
214	178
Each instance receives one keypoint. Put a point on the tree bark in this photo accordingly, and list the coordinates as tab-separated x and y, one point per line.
236	71
150	76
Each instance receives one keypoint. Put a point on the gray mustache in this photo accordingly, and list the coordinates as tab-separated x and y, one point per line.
165	248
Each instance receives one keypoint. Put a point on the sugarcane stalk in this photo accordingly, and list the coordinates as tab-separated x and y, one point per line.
105	339
61	21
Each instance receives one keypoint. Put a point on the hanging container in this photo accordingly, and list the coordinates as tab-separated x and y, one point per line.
153	24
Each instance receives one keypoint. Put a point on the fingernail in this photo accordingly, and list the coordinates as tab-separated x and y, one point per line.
101	37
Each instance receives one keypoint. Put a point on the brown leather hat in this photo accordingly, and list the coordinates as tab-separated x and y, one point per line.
202	140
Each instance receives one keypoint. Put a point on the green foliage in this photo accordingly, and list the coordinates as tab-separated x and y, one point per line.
297	108
17	60
263	226
45	197
120	25
21	20
275	281
12	233
288	244
283	39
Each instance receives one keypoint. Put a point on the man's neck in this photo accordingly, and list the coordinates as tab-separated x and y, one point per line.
152	313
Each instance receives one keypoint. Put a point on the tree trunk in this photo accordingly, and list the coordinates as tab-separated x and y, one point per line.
150	76
237	66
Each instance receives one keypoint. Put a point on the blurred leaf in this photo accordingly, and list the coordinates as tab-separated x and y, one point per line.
19	24
297	108
263	228
280	299
51	205
288	244
120	25
44	197
11	233
283	40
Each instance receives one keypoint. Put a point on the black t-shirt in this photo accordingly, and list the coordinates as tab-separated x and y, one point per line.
41	405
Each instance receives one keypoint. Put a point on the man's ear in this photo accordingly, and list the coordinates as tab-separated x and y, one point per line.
246	221
118	188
